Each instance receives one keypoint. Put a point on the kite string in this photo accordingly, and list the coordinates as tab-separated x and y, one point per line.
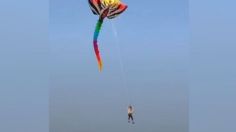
123	73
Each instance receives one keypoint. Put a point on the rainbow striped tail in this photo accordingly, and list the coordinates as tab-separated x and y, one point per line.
95	42
99	60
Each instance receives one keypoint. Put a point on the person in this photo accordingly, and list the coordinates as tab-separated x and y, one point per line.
130	114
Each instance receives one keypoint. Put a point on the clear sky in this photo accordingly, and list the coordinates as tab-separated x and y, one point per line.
153	40
83	100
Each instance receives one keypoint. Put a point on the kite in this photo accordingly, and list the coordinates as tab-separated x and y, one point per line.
104	8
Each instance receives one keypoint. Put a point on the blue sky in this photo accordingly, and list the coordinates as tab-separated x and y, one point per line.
25	55
153	40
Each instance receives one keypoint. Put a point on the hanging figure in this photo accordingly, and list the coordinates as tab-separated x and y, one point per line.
130	114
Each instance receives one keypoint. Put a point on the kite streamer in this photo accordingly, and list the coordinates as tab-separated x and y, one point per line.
95	43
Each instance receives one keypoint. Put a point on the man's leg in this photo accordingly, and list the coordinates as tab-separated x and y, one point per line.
129	118
132	118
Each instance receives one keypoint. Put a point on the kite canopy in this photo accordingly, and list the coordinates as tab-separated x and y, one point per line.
115	7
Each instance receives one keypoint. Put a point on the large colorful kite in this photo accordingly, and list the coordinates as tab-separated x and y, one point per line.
104	8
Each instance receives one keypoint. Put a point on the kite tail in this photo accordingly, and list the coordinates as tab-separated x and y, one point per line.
95	42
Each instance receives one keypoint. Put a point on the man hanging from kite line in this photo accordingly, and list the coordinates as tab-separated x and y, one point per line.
130	114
